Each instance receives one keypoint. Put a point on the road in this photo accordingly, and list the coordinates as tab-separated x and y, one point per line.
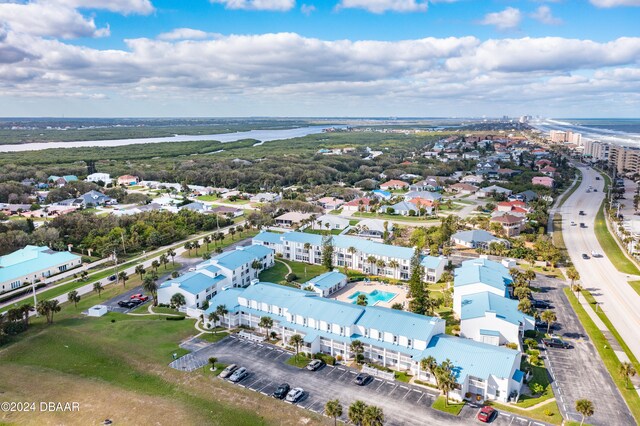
403	404
598	275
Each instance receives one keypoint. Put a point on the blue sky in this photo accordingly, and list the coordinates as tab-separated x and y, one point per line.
315	58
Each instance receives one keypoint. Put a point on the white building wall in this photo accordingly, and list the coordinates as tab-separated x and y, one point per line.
509	332
39	275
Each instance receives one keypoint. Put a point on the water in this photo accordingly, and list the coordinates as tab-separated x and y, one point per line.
374	297
259	135
622	131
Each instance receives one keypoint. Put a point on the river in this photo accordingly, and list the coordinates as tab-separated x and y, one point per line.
260	135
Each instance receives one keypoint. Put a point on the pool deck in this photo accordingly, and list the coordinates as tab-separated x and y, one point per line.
351	288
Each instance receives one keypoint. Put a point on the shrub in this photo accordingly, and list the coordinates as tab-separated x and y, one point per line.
339	358
548	412
531	333
290	277
531	343
512	345
536	388
326	358
180	318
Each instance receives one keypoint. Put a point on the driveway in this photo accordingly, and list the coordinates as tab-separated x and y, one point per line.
403	404
112	304
578	372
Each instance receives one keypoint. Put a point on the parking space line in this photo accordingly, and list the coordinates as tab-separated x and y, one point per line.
381	385
268	383
407	394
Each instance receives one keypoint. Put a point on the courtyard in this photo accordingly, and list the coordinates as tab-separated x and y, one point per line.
378	293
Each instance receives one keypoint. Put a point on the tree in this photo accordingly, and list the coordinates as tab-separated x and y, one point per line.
97	287
74	297
296	340
397	306
429	364
207	241
356	412
47	308
357	347
394	264
333	408
373	416
155	265
362	300
188	246
626	371
549	317
307	247
172	254
26	310
196	246
140	270
122	276
212	361
577	288
446	379
522	293
372	261
266	323
164	259
213	319
584	407
150	285
421	302
221	310
573	275
178	300
327	252
526	307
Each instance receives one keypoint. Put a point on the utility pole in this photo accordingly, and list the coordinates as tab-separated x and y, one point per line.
115	266
35	298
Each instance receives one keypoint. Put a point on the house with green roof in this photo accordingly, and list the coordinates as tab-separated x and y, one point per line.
34	264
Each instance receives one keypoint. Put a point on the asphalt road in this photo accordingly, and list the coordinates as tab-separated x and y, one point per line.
403	404
609	286
578	372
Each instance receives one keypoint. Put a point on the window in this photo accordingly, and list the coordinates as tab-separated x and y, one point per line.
341	330
15	284
409	342
328	327
395	339
497	393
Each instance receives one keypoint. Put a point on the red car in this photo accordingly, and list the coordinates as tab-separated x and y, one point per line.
140	296
486	414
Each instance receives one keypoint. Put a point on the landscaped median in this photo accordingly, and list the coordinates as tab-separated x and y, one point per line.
451	407
609	358
610	246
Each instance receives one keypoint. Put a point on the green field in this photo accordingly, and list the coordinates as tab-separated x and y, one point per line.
208	198
548	412
278	272
611	247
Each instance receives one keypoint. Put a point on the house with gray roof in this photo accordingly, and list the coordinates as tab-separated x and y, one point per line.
476	238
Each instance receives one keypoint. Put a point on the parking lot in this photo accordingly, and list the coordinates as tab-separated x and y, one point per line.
579	372
112	304
403	404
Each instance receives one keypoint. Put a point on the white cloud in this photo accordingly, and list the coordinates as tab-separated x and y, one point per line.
615	3
382	6
274	5
142	7
543	14
186	34
307	9
49	19
508	19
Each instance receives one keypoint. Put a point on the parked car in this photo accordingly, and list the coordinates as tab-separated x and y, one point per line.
487	414
112	278
595	253
316	364
126	304
555	342
585	256
540	304
582	225
140	296
362	379
238	375
295	395
228	371
282	391
573	223
135	302
582	213
595	190
597	177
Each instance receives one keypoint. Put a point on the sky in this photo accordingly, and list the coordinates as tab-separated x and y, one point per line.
314	58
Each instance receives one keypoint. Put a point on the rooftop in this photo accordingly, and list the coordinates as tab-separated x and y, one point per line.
476	305
32	259
326	280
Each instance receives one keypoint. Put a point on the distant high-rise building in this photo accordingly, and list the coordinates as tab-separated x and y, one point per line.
597	150
624	159
559	136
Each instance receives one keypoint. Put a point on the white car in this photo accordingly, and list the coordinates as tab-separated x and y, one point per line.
595	253
295	395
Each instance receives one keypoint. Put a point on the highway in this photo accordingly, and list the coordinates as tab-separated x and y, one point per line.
598	275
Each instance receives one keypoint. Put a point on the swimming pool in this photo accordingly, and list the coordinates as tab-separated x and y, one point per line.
374	297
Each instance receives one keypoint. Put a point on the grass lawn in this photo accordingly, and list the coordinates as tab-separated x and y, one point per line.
451	407
635	285
549	412
610	246
305	271
165	310
213	337
116	367
323	231
353	222
208	198
539	376
274	274
611	361
402	376
384	216
336	212
299	361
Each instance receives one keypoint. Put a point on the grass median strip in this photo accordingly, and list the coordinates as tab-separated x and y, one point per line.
451	407
611	247
609	358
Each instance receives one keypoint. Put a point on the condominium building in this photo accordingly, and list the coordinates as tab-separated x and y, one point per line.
391	338
624	159
598	151
354	253
33	264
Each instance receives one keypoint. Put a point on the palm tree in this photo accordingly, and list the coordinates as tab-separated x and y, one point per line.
333	408
213	318
529	275
362	300
196	245
429	364
394	264
74	297
372	261
573	275
207	241
522	293
584	407
307	247
626	371
577	288
150	285
140	270
446	380
26	310
155	265
356	412
172	254
232	231
188	246
373	416
266	323
122	276
549	317
357	347
178	300
164	259
221	310
525	306
256	265
296	340
380	265
397	306
97	287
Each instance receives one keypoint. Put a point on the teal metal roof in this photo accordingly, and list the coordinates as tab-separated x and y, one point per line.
470	357
477	304
479	273
496	266
326	280
268	237
31	259
234	259
475	235
431	262
194	282
257	250
518	376
494	333
228	298
401	323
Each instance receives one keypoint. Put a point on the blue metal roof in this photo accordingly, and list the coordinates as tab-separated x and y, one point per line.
194	282
475	235
431	262
474	274
518	376
470	357
234	259
496	266
326	280
30	260
494	333
475	305
256	250
268	237
401	323
228	298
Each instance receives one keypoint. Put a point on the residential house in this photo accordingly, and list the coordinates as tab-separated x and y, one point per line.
227	211
404	208
476	238
128	180
196	206
472	179
477	276
427	195
381	195
326	284
62	180
330	222
99	177
487	168
543	180
493	190
471	155
463	188
431	183
373	228
95	198
265	197
292	219
511	224
394	184
330	203
34	264
359	204
548	171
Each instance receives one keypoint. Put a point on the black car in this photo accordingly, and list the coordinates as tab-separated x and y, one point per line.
126	304
112	278
582	213
541	304
585	256
282	391
362	379
555	343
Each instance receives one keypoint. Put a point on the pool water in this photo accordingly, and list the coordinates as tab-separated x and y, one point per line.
374	297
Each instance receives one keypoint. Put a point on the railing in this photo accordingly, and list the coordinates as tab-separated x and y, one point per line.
251	336
378	373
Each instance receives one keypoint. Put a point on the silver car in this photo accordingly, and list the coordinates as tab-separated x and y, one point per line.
228	371
239	374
